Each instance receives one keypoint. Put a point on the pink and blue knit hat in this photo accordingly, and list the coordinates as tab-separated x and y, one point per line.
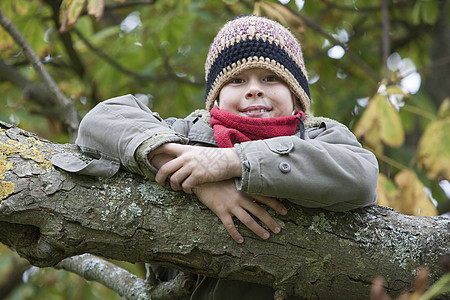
248	42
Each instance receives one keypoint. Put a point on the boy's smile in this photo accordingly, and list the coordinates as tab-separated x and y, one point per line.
257	93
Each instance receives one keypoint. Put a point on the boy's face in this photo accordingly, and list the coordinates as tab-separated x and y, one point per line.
257	93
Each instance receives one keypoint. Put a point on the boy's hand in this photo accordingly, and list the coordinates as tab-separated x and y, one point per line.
225	201
194	165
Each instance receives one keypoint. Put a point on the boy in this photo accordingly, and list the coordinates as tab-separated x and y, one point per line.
257	113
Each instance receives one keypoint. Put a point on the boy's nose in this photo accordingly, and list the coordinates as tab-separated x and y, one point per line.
254	91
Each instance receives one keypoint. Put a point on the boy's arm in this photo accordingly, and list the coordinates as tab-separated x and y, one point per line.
329	169
115	128
209	177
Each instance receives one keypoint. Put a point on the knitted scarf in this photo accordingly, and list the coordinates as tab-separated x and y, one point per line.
230	128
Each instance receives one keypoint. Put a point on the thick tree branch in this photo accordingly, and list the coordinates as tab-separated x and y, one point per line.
47	215
69	115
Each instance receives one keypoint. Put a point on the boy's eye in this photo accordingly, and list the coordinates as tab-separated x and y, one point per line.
236	80
271	78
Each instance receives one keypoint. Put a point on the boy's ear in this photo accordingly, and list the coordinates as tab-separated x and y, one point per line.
297	103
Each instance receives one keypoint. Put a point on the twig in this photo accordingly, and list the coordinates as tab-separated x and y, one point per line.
119	67
352	9
123	282
420	112
313	25
387	160
70	117
128	4
385	42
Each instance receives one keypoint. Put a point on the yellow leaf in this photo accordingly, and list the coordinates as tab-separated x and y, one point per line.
281	13
379	124
394	89
257	9
96	8
367	124
386	191
70	11
390	124
444	109
411	196
434	149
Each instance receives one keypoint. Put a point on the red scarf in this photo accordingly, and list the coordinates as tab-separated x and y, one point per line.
230	128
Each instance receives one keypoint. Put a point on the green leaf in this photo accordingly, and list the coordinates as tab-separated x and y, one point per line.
444	109
416	12
430	12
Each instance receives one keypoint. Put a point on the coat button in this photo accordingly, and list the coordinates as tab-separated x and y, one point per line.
284	167
282	148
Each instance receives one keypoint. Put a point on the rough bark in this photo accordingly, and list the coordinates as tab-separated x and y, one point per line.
47	215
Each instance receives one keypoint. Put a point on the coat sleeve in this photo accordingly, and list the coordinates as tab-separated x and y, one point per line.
113	131
328	169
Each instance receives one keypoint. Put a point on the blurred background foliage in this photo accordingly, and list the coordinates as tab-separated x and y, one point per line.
379	66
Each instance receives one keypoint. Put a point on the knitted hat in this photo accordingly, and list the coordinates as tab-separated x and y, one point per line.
248	42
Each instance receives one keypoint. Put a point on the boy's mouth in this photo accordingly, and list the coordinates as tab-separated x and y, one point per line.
256	111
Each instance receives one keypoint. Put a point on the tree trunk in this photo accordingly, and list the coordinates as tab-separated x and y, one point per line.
47	215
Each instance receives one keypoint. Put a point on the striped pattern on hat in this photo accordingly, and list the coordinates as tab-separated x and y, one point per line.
248	42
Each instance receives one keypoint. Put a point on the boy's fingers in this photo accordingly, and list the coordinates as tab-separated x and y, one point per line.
227	221
166	170
177	178
264	216
251	224
190	182
182	180
175	182
273	203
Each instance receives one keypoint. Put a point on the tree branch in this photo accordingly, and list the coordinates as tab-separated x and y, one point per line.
385	42
359	62
124	283
128	4
66	39
128	72
69	115
36	92
47	215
